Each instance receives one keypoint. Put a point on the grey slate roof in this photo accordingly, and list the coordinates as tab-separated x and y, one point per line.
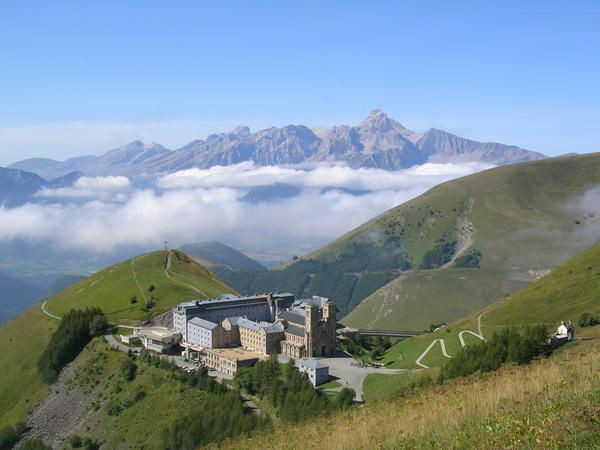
276	328
312	363
295	330
234	320
294	316
315	300
269	328
203	323
246	323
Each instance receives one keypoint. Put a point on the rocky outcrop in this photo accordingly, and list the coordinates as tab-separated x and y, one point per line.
378	141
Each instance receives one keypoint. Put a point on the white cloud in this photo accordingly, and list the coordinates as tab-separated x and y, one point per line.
106	213
248	175
101	188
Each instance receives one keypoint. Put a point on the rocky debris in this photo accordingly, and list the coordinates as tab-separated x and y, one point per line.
162	320
53	418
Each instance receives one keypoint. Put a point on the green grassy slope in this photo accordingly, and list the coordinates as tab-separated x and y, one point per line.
564	294
421	297
525	219
111	289
23	339
522	218
143	420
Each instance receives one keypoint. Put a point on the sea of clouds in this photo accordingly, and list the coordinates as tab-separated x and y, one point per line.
103	214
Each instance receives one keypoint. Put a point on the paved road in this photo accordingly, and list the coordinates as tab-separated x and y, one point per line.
349	373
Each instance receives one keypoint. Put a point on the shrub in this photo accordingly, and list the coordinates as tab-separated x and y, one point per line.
509	345
34	444
128	369
75	441
470	260
10	435
439	255
588	320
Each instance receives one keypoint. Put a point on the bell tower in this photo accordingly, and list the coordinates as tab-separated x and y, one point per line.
311	329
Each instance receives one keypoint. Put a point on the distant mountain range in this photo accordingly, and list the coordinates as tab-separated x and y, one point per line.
377	142
216	255
18	186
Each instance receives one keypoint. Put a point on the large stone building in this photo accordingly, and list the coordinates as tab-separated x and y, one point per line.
309	328
272	323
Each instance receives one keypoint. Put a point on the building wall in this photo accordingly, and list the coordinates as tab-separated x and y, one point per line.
260	341
316	376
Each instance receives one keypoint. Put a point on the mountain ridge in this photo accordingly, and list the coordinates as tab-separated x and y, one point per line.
486	235
377	142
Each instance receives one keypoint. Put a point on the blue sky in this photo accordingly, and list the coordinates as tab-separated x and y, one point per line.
83	77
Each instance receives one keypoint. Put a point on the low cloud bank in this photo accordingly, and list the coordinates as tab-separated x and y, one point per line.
105	213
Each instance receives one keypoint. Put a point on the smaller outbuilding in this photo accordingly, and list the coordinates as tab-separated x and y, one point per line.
157	339
317	371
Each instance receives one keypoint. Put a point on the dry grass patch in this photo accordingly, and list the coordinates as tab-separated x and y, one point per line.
437	416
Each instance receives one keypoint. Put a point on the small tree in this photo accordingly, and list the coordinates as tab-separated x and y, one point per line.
128	369
34	444
345	398
133	300
98	325
152	288
75	441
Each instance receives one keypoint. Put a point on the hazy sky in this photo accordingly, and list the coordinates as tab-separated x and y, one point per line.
78	78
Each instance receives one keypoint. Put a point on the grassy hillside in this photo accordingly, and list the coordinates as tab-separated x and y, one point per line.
112	289
150	402
564	294
523	220
23	339
551	403
513	222
421	297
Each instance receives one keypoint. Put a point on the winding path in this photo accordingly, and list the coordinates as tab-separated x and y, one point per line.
45	311
435	341
168	273
462	339
135	278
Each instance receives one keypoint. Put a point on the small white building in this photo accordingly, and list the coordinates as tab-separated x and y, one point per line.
317	371
158	339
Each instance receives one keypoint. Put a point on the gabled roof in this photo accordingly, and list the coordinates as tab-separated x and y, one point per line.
294	316
203	323
233	320
246	323
295	330
312	363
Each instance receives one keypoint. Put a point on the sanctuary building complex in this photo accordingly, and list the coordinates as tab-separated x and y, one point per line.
231	332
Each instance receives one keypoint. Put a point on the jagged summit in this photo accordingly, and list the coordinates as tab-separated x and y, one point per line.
377	142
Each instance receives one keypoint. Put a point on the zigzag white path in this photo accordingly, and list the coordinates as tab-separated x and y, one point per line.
462	339
435	341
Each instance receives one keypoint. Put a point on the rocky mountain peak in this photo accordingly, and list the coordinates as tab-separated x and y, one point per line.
241	131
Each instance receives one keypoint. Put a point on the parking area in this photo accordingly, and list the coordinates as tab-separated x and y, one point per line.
348	372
